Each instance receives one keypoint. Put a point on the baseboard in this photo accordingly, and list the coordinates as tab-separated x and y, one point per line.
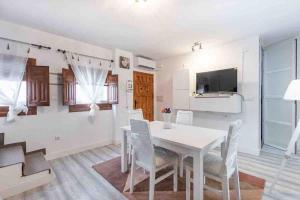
66	152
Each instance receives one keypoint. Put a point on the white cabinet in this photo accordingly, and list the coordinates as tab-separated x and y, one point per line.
222	104
181	99
181	89
181	80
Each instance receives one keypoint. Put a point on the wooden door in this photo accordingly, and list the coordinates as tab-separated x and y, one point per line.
37	78
69	87
143	94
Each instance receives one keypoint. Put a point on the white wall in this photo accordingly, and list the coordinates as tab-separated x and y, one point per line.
243	54
76	132
298	77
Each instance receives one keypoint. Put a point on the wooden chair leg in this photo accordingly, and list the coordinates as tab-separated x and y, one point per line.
225	188
152	185
187	184
175	178
132	174
237	184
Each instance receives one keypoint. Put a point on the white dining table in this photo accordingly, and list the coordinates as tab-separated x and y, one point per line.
187	140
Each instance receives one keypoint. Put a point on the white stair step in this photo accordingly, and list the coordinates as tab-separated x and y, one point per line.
35	163
11	155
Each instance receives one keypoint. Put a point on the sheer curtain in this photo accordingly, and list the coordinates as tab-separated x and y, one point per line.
12	69
91	76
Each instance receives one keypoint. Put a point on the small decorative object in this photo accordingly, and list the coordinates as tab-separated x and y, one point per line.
167	114
124	62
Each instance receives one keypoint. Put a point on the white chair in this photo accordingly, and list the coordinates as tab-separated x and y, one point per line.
147	156
133	114
218	168
185	118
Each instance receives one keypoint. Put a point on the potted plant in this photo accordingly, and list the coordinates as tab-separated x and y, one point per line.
167	114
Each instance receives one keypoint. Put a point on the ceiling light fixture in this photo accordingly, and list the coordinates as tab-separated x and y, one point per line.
137	1
197	46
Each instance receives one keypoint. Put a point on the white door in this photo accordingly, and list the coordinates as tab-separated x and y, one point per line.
279	68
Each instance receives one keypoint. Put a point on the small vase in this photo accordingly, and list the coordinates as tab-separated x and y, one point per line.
167	120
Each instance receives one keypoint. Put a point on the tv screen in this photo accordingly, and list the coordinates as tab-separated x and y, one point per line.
217	81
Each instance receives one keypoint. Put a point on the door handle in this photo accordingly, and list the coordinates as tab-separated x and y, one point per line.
134	104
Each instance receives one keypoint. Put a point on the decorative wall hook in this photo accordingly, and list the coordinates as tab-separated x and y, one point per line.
196	46
7	47
28	51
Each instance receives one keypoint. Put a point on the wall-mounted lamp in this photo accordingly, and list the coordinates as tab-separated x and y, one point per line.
197	46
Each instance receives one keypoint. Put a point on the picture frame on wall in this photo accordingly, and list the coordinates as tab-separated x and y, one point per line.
124	62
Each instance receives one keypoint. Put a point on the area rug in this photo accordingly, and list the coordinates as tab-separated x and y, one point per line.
251	187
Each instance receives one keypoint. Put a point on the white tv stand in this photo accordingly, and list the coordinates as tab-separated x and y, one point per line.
224	103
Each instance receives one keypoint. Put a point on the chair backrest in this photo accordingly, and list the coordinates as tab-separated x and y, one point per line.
142	142
184	117
135	114
293	141
231	147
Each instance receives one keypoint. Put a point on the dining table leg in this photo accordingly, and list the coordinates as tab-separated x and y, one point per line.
198	175
124	162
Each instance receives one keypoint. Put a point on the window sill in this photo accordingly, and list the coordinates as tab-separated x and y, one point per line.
32	110
86	107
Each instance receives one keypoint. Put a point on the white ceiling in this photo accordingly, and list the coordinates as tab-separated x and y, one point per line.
157	28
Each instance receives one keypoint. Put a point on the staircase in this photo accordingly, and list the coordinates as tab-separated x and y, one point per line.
21	170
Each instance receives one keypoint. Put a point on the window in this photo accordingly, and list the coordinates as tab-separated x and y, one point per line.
82	99
34	90
75	98
5	88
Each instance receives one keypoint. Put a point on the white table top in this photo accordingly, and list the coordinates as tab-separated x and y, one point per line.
189	136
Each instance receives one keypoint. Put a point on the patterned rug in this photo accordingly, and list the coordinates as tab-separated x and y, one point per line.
251	187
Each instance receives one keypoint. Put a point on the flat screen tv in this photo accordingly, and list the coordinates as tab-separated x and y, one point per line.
224	81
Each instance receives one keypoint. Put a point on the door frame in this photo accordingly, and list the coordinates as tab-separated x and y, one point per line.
153	89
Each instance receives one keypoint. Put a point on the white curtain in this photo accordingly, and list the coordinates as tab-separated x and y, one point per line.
12	69
90	75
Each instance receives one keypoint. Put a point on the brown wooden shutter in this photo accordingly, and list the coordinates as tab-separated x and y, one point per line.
37	78
69	87
113	92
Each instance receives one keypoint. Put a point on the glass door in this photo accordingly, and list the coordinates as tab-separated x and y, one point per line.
279	115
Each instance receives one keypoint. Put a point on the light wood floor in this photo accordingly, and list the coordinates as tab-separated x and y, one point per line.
75	179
